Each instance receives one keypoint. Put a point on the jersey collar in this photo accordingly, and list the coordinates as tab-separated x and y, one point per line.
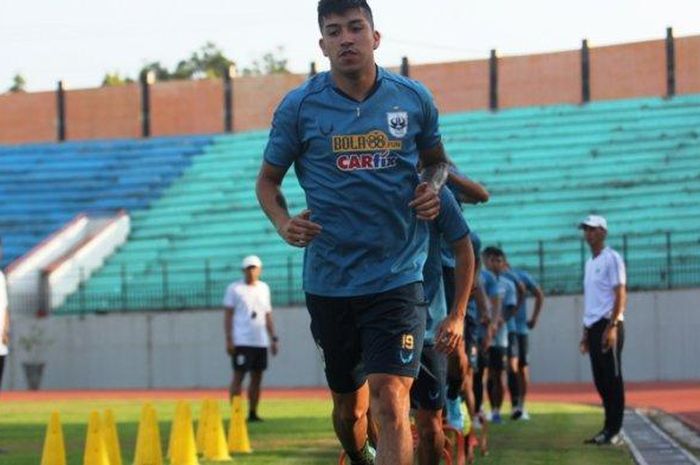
379	75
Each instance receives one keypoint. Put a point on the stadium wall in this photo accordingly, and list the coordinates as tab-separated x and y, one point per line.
196	107
186	349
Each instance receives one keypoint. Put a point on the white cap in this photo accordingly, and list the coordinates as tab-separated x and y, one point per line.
251	260
594	221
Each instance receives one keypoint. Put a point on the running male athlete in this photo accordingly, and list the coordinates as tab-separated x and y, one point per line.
355	136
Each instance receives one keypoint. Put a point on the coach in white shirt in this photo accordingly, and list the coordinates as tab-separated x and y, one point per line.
605	297
249	331
4	321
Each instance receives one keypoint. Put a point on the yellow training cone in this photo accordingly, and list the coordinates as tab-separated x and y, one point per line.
184	450
174	427
111	439
54	452
95	450
238	440
148	450
215	447
202	425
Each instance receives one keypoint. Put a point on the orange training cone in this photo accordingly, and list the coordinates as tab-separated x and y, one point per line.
54	452
238	440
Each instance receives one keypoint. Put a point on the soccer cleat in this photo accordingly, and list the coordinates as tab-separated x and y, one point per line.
516	415
496	418
254	418
597	439
525	416
611	440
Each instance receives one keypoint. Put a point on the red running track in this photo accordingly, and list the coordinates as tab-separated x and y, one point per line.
681	399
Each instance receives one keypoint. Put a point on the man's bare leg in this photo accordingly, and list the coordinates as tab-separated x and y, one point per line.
432	436
350	419
390	406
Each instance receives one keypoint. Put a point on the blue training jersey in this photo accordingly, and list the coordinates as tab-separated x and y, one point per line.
510	275
449	226
472	309
508	295
521	316
356	162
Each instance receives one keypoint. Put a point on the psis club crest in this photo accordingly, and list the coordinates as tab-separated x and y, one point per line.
398	123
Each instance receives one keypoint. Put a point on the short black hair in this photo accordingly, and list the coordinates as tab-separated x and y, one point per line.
338	7
493	251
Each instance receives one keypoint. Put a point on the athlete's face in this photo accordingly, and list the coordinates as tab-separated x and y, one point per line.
252	274
349	41
595	237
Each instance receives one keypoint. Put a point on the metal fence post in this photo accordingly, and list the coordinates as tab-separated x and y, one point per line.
207	283
125	289
585	73
405	70
493	81
147	79
290	279
540	253
229	74
669	262
60	112
670	64
81	286
165	287
312	69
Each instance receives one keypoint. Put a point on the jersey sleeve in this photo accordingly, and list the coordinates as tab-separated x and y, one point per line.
268	299
510	299
284	143
529	281
617	274
429	135
230	298
490	284
450	221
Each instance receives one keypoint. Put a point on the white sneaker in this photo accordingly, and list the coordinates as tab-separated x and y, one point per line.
525	416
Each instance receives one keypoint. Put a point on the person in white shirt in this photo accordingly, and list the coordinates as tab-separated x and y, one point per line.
249	331
603	337
4	321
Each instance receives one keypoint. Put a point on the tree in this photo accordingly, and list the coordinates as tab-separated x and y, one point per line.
18	84
207	62
270	63
115	79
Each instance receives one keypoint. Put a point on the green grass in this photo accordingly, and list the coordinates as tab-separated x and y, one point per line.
299	432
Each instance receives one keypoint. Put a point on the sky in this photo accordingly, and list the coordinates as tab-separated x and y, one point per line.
78	41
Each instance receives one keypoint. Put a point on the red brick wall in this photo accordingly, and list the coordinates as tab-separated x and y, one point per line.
187	107
543	79
196	107
104	113
628	70
688	65
255	98
27	117
458	86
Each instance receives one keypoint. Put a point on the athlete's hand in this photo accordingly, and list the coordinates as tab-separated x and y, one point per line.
609	338
299	230
532	323
426	202
274	348
230	348
449	334
583	346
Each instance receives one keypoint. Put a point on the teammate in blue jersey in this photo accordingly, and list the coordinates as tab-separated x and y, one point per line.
428	392
512	372
522	330
495	262
355	136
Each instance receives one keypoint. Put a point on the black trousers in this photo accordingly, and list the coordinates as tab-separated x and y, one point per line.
607	374
2	367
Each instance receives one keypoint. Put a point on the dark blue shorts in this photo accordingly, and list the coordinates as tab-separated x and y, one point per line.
513	345
428	392
376	333
523	349
246	358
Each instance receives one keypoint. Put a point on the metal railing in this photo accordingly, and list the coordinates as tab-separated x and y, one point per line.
654	261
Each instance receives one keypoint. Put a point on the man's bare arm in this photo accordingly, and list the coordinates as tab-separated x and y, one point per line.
434	164
297	230
469	191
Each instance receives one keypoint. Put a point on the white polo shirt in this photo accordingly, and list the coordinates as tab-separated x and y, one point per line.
250	304
3	310
603	274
